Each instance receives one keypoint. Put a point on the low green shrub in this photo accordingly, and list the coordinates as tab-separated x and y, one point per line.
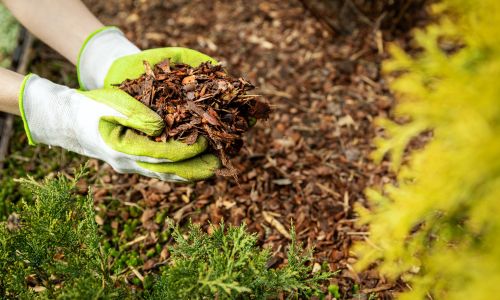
51	246
229	264
51	249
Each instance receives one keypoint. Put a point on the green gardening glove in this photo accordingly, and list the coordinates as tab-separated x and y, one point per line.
132	66
108	58
106	124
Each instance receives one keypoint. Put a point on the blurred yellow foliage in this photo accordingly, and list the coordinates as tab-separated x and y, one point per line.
439	226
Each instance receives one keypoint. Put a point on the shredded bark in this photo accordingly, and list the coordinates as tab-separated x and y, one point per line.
200	101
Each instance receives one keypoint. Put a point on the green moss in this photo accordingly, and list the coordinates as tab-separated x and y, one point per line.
9	31
22	160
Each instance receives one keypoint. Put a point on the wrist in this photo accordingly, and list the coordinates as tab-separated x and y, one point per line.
98	53
9	93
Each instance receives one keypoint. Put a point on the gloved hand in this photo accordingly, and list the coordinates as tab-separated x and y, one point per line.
100	123
108	58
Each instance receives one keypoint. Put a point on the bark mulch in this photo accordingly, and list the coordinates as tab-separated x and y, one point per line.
202	101
308	164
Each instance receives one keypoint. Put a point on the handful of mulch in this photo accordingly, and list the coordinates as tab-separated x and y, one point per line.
200	101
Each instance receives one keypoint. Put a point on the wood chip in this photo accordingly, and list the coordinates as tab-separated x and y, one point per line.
276	224
136	240
184	96
139	275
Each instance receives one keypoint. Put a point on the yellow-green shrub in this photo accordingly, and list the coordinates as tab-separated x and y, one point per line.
439	226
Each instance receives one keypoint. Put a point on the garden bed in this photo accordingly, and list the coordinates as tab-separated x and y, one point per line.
308	164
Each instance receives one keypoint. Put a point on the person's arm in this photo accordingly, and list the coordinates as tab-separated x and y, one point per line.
100	123
104	124
62	24
9	93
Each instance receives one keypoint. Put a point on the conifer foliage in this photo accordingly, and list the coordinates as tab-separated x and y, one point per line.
51	249
230	265
439	226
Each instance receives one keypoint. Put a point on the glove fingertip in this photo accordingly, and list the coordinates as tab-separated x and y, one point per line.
195	169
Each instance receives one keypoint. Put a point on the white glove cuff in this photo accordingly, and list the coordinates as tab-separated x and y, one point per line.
56	115
44	106
98	53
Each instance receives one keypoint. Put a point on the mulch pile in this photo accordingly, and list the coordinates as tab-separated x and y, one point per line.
310	163
201	100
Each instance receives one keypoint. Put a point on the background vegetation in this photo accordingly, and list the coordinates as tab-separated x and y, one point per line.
439	225
9	29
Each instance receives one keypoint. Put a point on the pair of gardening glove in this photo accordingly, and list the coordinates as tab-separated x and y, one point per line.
101	121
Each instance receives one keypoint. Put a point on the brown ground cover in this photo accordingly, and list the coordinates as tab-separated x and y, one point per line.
203	101
309	163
